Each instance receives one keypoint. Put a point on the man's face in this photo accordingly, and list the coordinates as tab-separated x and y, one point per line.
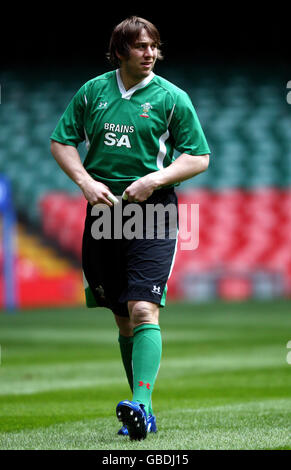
143	55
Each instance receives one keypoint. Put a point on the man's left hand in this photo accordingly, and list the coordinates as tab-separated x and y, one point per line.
141	189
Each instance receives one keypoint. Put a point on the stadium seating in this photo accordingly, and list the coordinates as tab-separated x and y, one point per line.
244	198
244	241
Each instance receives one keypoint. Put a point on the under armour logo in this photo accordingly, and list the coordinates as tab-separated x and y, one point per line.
103	104
141	383
156	290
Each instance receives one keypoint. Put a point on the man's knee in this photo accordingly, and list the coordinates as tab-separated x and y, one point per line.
142	312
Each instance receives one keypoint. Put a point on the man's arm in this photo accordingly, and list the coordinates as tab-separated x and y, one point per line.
184	167
69	160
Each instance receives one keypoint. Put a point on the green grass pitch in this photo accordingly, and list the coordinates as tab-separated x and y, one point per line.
224	381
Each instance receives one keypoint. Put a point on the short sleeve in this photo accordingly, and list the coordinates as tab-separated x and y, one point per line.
186	129
70	128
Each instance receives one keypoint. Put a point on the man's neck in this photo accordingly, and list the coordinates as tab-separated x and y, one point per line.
128	80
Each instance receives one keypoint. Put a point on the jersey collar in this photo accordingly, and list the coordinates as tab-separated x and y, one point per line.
127	94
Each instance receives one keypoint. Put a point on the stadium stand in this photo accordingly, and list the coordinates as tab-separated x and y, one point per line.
244	198
43	277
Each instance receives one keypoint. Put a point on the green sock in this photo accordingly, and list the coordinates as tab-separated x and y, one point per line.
146	358
126	343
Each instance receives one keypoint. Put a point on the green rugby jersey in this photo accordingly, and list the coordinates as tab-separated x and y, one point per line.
130	133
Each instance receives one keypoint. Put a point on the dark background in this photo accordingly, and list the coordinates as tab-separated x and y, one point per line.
76	34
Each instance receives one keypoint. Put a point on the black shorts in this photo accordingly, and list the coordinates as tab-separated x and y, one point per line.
118	269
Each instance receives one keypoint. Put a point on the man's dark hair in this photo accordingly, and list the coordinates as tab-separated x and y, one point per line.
125	34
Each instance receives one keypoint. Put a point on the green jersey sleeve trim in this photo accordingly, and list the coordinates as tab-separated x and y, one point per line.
162	142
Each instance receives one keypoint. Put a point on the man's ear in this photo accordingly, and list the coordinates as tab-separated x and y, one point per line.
120	57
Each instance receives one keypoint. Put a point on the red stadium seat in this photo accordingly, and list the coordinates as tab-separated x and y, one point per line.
235	288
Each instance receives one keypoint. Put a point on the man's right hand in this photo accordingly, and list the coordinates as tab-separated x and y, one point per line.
67	156
95	192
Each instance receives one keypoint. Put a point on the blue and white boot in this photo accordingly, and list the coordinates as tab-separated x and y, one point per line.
133	416
151	426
